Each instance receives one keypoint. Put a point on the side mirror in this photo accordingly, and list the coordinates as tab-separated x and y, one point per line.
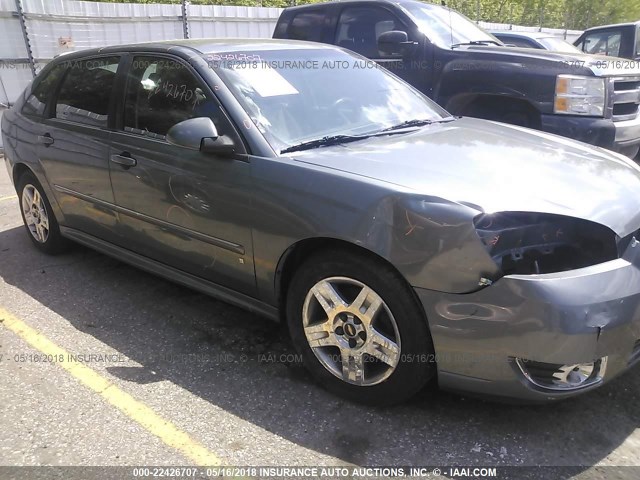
394	42
200	134
221	145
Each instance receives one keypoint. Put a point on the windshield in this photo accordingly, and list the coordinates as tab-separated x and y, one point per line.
446	27
558	45
298	95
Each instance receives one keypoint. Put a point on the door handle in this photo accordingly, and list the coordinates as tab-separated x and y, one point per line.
45	139
125	160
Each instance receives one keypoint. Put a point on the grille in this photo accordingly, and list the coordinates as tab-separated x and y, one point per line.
626	98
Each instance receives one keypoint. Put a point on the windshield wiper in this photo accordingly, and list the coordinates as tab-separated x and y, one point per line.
474	42
417	122
324	142
338	139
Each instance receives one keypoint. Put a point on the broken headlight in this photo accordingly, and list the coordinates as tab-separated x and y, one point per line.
526	243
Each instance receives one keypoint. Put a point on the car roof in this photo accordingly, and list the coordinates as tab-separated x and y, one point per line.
204	46
613	25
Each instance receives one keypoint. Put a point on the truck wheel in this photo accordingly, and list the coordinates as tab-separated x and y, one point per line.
359	328
38	217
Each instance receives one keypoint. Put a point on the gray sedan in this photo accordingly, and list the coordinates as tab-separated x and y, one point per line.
305	183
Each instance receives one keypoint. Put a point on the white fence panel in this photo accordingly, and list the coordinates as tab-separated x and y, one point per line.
227	22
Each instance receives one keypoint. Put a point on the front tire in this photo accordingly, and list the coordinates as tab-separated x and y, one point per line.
359	328
37	215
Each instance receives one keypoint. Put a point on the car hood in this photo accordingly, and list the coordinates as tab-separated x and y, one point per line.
495	167
599	65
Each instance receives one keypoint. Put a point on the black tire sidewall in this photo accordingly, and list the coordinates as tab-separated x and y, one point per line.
417	362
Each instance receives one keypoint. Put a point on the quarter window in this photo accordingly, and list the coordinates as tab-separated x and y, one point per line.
85	94
162	92
37	101
360	28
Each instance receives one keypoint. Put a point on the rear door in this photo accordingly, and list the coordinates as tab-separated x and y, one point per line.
73	144
181	207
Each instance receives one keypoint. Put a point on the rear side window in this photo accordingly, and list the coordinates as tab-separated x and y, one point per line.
307	26
85	93
37	101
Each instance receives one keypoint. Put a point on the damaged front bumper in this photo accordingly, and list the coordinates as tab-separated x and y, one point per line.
486	341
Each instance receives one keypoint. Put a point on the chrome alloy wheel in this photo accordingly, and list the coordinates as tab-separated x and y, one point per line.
351	331
35	213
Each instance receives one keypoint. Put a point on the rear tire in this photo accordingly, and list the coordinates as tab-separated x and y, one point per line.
37	215
359	328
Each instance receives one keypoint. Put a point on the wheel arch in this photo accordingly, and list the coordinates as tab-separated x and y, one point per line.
492	106
20	169
297	253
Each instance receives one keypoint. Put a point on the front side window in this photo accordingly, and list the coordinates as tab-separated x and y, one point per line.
37	101
360	28
602	43
298	95
161	92
307	26
85	93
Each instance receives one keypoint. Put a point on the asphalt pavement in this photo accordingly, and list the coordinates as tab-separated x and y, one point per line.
157	374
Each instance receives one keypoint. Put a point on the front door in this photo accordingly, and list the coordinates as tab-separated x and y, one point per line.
179	206
358	30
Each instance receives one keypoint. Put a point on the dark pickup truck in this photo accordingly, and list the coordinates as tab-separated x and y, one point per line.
471	73
619	40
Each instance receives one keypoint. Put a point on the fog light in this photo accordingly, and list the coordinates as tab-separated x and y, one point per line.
553	376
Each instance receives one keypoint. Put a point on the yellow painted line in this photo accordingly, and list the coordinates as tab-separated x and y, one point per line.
132	408
10	197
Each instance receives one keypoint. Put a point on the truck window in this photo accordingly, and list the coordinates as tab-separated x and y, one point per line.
307	26
359	29
602	43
